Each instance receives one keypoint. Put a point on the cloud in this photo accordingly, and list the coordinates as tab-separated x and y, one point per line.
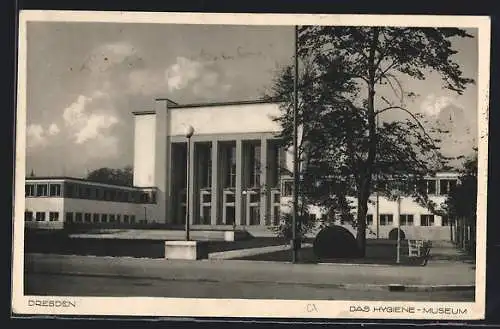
180	74
109	56
432	104
35	136
53	129
85	125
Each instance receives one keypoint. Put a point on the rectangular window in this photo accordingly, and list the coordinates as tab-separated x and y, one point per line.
88	218
78	217
118	218
369	219
69	217
53	216
28	216
55	189
95	218
287	188
125	218
254	165
29	190
386	219
132	218
69	190
431	186
427	220
406	219
231	166
446	186
42	190
104	218
40	216
112	218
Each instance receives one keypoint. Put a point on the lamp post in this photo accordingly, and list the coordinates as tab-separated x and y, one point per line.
398	216
295	240
189	133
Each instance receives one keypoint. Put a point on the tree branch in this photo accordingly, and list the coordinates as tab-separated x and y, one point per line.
409	113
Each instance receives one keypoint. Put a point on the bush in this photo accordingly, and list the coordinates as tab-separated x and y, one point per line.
393	234
335	242
284	228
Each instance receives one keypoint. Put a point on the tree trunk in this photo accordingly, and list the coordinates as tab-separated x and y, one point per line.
361	220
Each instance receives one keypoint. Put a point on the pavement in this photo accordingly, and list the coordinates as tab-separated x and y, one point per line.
440	275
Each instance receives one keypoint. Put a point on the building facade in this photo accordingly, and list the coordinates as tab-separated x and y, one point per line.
238	177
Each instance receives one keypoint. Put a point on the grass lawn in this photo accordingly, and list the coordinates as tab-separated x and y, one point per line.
60	243
377	252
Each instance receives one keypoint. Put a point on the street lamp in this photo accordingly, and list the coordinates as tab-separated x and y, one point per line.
188	133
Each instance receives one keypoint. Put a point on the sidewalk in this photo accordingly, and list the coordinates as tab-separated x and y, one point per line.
440	276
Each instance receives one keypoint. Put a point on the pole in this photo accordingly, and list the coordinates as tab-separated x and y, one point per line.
295	152
377	209
188	155
398	251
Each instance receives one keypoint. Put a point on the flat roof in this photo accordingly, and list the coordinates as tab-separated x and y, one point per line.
83	180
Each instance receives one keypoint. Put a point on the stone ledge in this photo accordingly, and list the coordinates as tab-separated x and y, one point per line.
188	250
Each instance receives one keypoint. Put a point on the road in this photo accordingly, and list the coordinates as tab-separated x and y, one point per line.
85	285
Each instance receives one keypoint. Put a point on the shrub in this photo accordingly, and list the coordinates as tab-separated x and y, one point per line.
393	234
335	242
284	228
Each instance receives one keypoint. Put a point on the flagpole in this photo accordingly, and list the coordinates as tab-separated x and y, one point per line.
295	221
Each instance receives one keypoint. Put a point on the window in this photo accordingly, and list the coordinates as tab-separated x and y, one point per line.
40	216
446	185
41	190
125	218
276	165
78	217
29	190
254	165
88	218
231	166
132	218
104	218
445	221
369	219
53	216
112	218
55	189
431	186
287	188
118	218
427	220
69	190
69	217
28	216
406	219
95	218
386	219
205	164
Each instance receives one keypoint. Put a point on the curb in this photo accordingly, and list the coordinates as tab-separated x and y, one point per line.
346	286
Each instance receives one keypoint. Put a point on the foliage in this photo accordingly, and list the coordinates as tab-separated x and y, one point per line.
284	228
124	177
461	201
335	242
342	148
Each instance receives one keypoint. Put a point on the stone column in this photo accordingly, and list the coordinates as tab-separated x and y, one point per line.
161	159
264	182
238	204
215	183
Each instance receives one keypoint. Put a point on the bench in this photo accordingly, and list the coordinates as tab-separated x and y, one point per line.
419	249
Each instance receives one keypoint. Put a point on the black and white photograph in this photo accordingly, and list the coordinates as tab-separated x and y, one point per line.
249	165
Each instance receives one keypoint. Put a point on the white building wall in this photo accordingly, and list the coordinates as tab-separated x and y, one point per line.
45	204
144	150
226	119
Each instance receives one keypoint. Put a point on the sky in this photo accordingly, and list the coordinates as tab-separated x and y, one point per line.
84	80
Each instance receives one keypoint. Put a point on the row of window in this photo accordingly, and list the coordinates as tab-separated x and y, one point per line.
407	220
41	216
78	217
429	186
89	192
